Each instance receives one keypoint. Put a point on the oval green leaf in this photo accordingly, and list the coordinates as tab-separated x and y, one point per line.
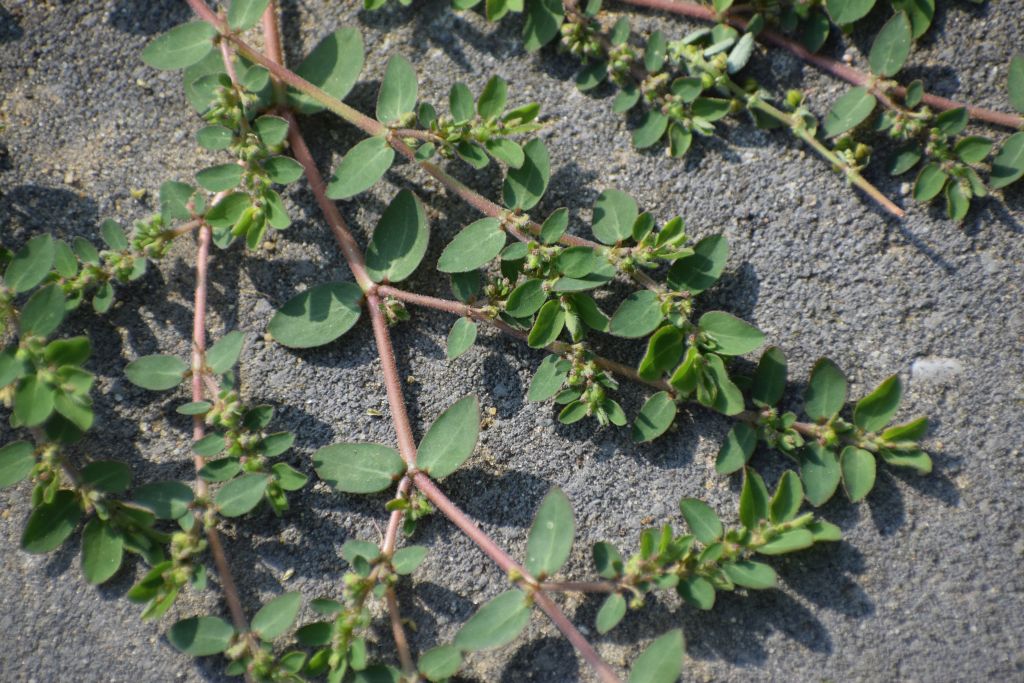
398	90
655	417
182	46
858	468
495	624
550	539
102	551
333	66
358	467
317	316
877	409
460	338
157	372
662	661
30	265
277	616
474	246
849	111
524	186
614	214
51	523
826	390
201	636
892	46
361	167
399	240
241	495
450	440
637	316
732	336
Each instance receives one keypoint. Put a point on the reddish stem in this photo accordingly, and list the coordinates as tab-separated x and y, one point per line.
579	586
826	64
392	383
220	559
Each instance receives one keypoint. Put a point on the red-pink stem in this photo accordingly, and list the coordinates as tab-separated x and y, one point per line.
826	64
579	586
507	564
392	381
220	559
398	632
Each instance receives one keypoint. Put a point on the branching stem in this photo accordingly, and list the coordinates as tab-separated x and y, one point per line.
826	64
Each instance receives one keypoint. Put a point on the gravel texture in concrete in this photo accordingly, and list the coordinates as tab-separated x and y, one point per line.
926	585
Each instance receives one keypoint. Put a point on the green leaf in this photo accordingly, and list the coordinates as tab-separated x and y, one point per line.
43	312
591	75
614	214
157	372
272	130
224	354
753	499
33	401
789	495
637	316
399	240
877	409
652	129
526	299
108	476
524	186
930	182
917	460
220	178
354	548
65	263
1008	166
702	520
826	391
697	272
493	97
450	440
547	327
201	636
460	102
787	542
550	539
495	624
820	472
475	245
848	11
277	616
182	46
1015	82
664	349
953	121
289	478
358	467
891	48
662	661
920	12
849	111
548	378
655	417
405	560
815	31
654	52
607	560
506	150
30	264
736	449
611	613
228	210
361	167
731	336
398	90
858	468
728	399
543	20
241	495
442	662
750	574
16	462
687	89
554	226
460	338
710	108
51	523
209	445
908	431
283	170
824	531
679	140
102	551
905	160
244	14
333	66
769	378
740	53
973	149
167	499
697	591
317	316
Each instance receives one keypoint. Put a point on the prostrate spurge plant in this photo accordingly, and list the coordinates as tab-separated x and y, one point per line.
532	279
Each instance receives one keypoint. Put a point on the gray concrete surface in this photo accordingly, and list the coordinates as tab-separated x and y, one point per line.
927	585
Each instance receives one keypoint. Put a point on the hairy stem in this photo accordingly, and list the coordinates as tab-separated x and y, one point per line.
826	64
373	127
507	564
220	559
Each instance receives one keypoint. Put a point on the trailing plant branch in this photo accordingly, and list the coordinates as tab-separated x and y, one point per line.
831	66
375	128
